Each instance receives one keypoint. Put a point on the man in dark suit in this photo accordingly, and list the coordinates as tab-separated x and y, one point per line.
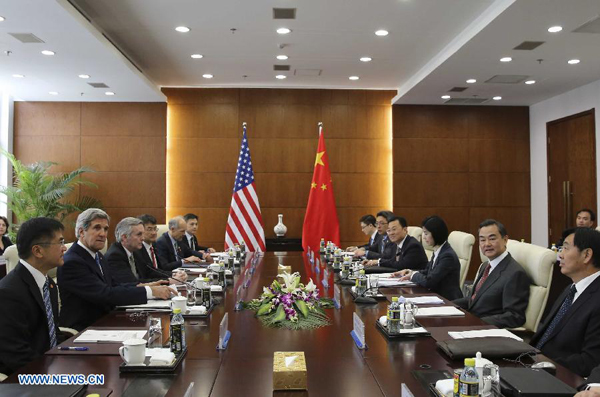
28	297
570	334
500	292
401	252
591	385
125	265
170	251
375	250
88	289
367	226
191	239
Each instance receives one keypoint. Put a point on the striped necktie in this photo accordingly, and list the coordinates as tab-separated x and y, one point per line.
153	257
49	314
132	266
98	263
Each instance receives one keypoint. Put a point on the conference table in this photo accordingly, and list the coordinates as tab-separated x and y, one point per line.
335	365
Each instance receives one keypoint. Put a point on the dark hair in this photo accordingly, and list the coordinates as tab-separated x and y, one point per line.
187	217
36	231
147	219
584	238
400	219
5	221
388	215
491	222
368	220
592	215
437	227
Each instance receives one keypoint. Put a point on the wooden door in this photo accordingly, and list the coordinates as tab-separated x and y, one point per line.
571	170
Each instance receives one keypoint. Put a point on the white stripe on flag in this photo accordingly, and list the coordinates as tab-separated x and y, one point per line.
244	222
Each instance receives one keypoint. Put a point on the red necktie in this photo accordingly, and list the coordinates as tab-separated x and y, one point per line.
153	257
486	273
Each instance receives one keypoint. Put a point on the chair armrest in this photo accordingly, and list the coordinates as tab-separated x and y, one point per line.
70	331
2	377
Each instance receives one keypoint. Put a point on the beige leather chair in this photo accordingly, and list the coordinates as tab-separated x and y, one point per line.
415	232
162	229
462	244
538	263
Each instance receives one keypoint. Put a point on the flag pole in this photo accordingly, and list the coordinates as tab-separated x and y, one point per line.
320	124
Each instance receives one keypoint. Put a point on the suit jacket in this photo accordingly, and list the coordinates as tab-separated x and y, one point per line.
412	255
503	297
166	252
444	278
24	332
87	293
369	243
119	266
6	242
375	250
575	342
594	376
197	246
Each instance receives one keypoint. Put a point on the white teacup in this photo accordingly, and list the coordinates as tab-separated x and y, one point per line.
179	302
133	351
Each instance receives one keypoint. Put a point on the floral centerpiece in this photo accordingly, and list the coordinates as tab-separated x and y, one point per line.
291	305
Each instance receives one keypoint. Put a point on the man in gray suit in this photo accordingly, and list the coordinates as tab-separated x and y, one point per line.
500	293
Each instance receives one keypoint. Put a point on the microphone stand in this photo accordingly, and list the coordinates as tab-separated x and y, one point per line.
362	298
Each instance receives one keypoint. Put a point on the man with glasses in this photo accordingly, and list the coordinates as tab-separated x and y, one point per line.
375	250
28	297
367	226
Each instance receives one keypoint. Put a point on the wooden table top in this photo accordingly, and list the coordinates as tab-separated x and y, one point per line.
335	366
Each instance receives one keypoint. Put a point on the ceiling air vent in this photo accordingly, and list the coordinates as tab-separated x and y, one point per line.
98	85
592	26
284	13
457	89
26	38
529	45
308	72
466	101
507	79
281	67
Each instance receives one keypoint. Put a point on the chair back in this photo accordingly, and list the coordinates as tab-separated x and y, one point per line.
462	244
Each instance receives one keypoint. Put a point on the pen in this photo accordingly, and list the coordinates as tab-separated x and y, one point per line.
79	349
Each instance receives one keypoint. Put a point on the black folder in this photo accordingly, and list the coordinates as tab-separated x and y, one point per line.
529	382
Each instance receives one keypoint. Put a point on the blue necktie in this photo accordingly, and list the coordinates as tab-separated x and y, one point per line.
564	308
383	241
49	314
98	263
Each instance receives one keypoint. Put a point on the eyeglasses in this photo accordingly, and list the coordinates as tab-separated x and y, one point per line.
381	223
60	242
152	229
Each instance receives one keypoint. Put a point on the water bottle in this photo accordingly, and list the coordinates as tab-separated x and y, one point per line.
230	259
322	246
469	380
221	275
361	283
393	317
206	293
238	252
345	273
177	332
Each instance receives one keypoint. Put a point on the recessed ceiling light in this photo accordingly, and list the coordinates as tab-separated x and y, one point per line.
109	93
84	76
197	56
365	59
353	77
19	76
382	32
554	29
182	29
280	76
207	76
573	61
48	52
506	59
471	81
445	96
529	82
2	19
282	57
53	93
497	98
283	30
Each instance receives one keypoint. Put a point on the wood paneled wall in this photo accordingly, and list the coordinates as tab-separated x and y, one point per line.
125	143
465	164
204	133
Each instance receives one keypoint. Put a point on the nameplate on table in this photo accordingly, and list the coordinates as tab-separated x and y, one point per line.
325	280
336	297
224	333
405	391
358	333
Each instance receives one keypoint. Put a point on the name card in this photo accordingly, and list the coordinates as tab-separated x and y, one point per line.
336	297
224	333
325	280
358	333
317	267
405	391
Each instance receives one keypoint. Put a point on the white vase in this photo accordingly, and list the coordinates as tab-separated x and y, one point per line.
280	229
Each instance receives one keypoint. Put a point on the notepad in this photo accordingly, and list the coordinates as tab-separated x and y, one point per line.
443	311
425	300
152	304
504	333
109	336
394	282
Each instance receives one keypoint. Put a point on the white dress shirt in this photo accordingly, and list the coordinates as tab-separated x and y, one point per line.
496	261
582	284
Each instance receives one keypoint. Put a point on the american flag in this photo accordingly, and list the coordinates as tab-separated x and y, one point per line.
245	221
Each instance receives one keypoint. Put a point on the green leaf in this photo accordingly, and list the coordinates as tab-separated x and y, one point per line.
302	307
264	309
279	315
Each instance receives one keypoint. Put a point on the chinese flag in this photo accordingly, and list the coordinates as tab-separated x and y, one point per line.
321	220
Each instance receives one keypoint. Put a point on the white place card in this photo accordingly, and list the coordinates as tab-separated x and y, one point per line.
224	333
358	333
336	297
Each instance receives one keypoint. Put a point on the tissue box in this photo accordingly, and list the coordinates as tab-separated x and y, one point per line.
291	376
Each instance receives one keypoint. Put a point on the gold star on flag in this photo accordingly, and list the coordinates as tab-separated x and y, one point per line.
324	187
313	185
319	159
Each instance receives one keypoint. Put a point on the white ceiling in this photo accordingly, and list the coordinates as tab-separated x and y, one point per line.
433	45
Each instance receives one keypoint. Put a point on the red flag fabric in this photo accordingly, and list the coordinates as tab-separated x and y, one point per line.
321	220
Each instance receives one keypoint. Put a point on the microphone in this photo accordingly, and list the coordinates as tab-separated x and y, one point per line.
365	299
169	276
